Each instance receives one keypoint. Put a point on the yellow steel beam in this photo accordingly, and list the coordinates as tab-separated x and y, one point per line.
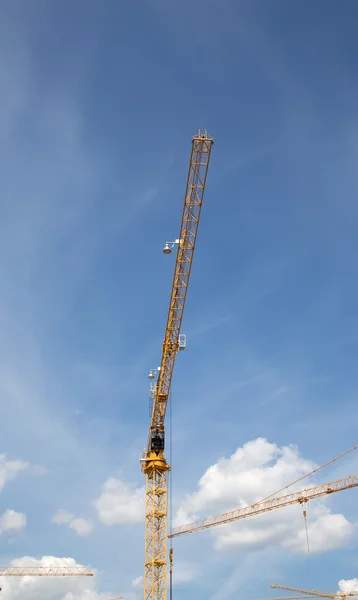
45	572
255	509
154	464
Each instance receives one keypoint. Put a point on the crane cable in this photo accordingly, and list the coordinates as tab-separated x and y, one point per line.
304	477
305	518
308	474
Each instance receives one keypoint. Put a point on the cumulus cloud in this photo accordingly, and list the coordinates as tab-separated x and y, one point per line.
348	585
81	526
9	469
12	521
120	503
251	473
52	588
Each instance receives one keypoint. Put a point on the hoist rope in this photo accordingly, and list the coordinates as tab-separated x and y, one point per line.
308	474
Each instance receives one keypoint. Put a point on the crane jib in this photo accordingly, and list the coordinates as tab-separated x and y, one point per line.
199	162
301	497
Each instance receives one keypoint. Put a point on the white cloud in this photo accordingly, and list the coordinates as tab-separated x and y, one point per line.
62	517
327	532
251	473
9	469
12	521
138	582
82	526
120	503
52	588
348	585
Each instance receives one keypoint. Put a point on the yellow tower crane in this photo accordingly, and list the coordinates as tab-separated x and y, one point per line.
40	571
77	571
154	464
310	593
301	497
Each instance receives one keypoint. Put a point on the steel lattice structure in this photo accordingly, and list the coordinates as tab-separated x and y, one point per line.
45	572
291	597
310	593
154	464
301	497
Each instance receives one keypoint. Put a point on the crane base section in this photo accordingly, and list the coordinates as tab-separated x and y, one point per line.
155	551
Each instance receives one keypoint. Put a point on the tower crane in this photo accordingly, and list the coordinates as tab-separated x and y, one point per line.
300	597
301	497
40	571
313	594
310	593
154	464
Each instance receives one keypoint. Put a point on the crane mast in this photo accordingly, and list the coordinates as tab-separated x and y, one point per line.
154	464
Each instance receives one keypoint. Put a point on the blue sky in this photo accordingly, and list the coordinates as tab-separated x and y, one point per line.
99	101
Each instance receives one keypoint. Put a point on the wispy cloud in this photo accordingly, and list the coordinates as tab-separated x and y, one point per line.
81	526
204	328
247	576
9	469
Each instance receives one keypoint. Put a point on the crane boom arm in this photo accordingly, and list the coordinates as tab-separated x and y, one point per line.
313	593
194	193
45	571
289	597
248	511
